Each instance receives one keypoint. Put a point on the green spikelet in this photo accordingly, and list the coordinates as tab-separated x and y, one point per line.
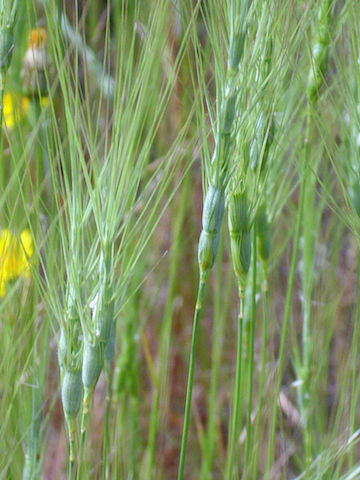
241	254
240	235
213	214
71	393
104	317
103	304
238	217
93	360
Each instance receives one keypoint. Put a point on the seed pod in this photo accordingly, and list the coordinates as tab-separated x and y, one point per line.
263	233
213	214
71	393
93	361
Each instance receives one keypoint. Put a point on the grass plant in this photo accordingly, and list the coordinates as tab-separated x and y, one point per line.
141	338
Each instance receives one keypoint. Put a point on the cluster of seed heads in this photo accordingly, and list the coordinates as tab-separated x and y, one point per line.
214	204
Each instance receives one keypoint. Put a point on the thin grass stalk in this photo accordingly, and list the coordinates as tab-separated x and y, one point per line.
214	204
199	301
108	382
308	258
166	326
239	229
218	329
250	380
234	430
265	321
288	298
315	81
134	439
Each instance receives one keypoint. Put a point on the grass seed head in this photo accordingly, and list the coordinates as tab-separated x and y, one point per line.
213	211
93	361
241	255
240	235
207	251
71	393
213	214
238	214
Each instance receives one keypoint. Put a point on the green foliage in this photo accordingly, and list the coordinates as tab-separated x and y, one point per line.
127	130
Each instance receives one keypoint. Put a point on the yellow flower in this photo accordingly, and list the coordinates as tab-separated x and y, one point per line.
14	108
15	255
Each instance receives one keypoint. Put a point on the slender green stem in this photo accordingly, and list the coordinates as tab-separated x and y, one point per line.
190	379
105	472
262	371
288	303
237	395
304	394
84	419
71	430
248	443
218	328
134	428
